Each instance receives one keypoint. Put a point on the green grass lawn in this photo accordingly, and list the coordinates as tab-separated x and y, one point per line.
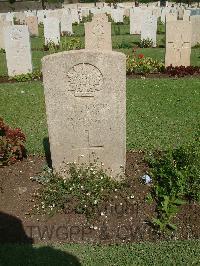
160	112
181	253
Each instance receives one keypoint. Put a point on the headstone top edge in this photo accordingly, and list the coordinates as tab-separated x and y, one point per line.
83	51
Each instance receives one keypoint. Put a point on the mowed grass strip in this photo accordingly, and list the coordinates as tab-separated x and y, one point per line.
162	253
160	112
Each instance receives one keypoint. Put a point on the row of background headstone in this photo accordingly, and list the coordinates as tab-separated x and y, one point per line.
141	22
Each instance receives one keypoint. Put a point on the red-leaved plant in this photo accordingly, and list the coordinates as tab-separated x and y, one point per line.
12	144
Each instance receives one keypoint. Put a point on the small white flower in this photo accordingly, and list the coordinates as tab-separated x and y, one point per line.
102	213
95	227
132	197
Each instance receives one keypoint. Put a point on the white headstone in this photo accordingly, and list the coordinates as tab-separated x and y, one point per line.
85	95
117	15
178	43
3	25
18	50
195	20
98	33
52	30
149	29
75	16
66	23
136	17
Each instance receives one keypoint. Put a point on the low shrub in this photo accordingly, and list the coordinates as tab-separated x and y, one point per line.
65	45
35	75
12	144
87	19
139	64
52	47
124	45
72	44
146	43
196	45
82	191
181	71
176	180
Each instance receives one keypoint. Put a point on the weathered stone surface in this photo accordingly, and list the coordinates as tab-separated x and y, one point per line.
3	25
18	50
10	16
135	20
171	17
195	20
85	12
164	12
136	17
85	94
98	33
178	43
20	17
75	16
51	30
117	15
32	23
66	23
41	14
149	29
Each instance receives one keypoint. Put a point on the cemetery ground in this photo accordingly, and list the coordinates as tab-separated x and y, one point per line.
161	114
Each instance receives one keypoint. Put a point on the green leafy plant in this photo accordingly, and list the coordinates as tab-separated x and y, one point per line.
87	19
146	43
2	51
35	75
139	64
72	44
196	45
176	179
83	189
117	29
161	27
65	45
124	45
51	47
12	144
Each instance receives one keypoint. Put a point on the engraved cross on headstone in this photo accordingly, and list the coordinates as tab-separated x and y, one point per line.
89	150
179	45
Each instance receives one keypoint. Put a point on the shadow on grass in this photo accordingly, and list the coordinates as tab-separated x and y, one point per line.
16	247
47	151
